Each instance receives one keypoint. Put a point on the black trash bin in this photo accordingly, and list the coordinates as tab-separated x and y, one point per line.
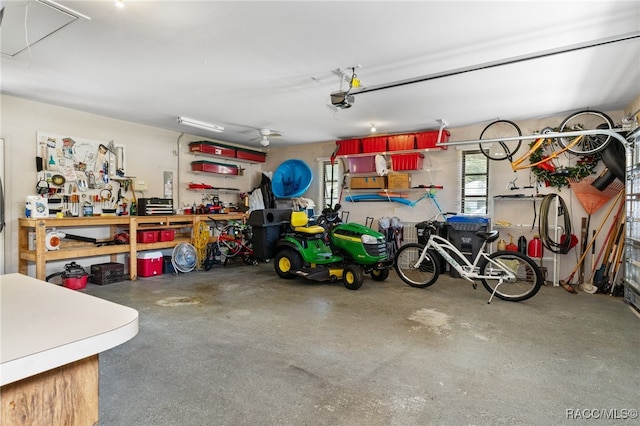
461	232
266	228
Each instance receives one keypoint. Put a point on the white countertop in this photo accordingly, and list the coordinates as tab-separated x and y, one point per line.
44	326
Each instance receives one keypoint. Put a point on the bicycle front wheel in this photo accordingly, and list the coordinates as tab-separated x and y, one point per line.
422	276
585	120
526	283
501	150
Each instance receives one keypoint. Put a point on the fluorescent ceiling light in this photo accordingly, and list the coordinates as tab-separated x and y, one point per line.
200	125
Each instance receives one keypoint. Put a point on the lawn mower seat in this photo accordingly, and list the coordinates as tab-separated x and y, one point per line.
299	220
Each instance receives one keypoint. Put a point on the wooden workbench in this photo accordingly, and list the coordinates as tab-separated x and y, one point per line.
182	224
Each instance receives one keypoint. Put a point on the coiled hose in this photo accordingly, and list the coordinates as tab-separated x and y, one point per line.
564	245
200	241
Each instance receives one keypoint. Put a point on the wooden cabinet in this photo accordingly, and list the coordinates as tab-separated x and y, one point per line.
72	249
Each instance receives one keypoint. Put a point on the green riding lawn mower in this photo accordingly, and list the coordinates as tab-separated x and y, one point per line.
330	250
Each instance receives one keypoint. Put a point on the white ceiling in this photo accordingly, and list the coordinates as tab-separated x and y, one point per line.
266	64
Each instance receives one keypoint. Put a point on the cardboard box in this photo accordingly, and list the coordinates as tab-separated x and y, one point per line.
368	182
149	263
399	181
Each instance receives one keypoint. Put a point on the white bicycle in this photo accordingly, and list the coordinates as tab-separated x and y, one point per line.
508	275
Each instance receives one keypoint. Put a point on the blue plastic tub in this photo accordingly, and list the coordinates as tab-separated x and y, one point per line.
291	179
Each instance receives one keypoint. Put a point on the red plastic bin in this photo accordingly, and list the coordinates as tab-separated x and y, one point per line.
146	237
428	139
349	146
167	235
411	161
402	142
374	144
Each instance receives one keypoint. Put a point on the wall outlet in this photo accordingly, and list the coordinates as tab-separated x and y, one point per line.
140	185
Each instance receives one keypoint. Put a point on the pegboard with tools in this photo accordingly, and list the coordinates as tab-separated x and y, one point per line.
83	177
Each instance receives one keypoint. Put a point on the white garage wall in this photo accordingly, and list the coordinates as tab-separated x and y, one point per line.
152	151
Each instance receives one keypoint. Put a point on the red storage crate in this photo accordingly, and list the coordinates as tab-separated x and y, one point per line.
147	237
374	144
366	164
428	139
350	146
402	142
246	154
411	161
149	263
167	235
207	147
211	167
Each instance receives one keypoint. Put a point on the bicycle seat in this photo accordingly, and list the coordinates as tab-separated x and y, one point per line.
489	237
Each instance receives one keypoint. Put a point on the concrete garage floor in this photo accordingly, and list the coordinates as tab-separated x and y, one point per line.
240	346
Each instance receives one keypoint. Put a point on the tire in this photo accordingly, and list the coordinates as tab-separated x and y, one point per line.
502	150
528	279
423	276
380	274
586	120
352	277
249	260
286	263
210	258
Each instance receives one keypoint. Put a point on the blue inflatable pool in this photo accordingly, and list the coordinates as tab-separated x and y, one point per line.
291	179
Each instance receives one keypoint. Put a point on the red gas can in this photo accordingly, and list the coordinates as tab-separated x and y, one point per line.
535	247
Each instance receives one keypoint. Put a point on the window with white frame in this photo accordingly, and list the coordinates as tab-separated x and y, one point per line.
330	190
475	183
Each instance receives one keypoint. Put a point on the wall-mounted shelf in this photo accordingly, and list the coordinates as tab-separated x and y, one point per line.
215	190
214	174
532	229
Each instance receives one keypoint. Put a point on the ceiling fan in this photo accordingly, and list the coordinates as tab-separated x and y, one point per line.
265	134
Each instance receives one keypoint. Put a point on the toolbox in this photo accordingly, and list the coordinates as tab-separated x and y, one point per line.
212	167
247	154
212	148
155	206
